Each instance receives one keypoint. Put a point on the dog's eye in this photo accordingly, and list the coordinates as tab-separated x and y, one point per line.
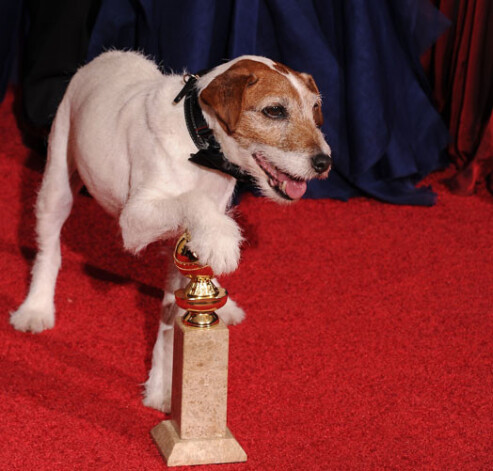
275	112
317	115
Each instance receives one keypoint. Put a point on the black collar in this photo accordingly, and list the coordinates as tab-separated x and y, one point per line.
209	154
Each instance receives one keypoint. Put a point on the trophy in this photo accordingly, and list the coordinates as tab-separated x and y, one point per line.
197	432
200	297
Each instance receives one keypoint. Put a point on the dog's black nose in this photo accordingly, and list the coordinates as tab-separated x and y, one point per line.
321	162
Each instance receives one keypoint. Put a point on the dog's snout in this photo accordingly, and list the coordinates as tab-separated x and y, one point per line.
321	162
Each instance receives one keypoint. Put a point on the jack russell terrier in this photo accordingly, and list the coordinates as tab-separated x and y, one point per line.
126	132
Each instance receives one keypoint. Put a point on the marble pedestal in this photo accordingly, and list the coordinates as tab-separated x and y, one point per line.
197	432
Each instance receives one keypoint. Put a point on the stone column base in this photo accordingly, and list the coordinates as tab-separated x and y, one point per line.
182	452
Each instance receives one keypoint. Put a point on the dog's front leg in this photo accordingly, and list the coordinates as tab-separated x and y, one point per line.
215	237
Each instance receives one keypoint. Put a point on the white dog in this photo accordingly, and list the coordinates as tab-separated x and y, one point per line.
124	131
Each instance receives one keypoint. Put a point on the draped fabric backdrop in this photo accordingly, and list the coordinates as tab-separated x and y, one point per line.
385	133
461	69
379	120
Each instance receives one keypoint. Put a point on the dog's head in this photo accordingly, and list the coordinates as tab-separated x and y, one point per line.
267	119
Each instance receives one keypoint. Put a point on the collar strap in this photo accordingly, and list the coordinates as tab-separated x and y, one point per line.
209	154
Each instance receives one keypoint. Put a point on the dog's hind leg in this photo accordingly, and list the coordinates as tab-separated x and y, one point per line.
157	393
231	313
53	206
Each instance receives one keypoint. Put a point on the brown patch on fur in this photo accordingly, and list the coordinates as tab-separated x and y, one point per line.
312	86
225	94
238	95
284	69
307	79
309	82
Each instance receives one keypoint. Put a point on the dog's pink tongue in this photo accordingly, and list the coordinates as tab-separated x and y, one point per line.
294	189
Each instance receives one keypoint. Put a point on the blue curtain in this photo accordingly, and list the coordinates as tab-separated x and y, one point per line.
364	55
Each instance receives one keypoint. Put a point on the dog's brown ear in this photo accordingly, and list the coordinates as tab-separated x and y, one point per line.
225	95
312	86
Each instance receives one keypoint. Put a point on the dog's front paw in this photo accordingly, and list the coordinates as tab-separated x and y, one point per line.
34	320
218	247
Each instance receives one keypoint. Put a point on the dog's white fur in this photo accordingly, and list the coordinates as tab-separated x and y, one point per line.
118	132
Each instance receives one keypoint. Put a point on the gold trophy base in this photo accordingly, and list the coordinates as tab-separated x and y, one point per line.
200	319
183	452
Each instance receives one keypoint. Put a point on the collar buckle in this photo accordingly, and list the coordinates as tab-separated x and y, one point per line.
189	80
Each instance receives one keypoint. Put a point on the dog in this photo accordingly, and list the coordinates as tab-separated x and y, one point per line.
123	131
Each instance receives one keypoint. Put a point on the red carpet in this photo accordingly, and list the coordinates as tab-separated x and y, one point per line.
368	343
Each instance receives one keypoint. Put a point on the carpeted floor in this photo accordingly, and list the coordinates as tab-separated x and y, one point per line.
368	343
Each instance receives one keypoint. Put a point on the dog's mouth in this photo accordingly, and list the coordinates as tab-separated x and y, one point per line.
285	185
